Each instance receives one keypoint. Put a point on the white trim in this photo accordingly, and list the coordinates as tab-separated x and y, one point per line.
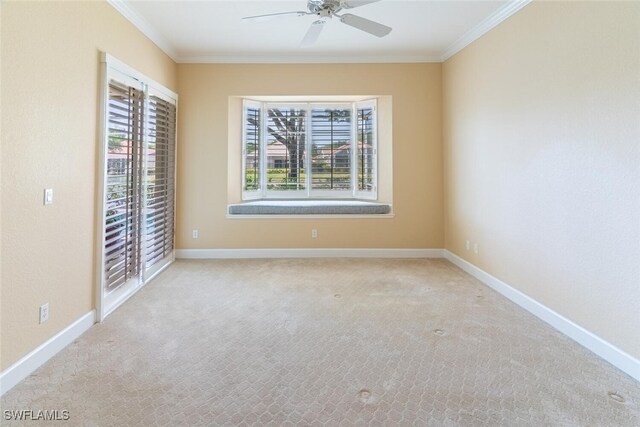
100	194
114	64
144	27
152	272
114	299
307	253
32	361
315	59
483	27
618	358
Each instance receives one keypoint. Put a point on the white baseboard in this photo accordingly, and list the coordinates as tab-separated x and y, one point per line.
618	358
307	253
32	361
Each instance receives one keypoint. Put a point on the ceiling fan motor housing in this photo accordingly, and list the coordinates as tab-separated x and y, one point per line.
324	8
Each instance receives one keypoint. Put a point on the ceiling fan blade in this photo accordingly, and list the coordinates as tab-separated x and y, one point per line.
365	25
312	34
350	4
269	16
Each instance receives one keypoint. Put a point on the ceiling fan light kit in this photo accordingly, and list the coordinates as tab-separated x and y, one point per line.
327	9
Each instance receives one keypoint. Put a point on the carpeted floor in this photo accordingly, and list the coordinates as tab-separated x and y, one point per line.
326	342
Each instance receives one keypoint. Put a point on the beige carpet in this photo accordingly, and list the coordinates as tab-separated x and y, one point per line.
326	342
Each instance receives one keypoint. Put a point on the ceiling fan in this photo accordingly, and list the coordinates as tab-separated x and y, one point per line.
327	9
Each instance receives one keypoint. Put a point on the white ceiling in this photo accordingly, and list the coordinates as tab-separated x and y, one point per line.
212	31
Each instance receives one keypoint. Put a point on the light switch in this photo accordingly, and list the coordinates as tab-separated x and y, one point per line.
48	196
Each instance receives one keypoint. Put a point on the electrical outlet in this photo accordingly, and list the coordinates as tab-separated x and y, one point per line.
314	233
44	312
195	234
468	245
476	249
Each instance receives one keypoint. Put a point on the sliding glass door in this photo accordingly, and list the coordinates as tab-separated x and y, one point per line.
138	202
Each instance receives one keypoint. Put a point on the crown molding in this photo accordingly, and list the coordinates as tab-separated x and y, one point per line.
144	26
298	59
484	27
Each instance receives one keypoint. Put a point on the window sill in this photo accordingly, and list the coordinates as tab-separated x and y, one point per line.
309	208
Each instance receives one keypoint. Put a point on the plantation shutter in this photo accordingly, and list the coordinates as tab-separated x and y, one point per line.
285	133
251	149
309	150
138	192
125	124
331	151
160	179
366	153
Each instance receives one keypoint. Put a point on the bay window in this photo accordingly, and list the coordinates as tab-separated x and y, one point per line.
309	150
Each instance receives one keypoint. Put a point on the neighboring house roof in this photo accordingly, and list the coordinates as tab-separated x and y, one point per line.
347	147
276	149
120	150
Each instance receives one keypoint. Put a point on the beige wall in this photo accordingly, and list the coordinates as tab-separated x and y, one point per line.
50	84
542	160
203	184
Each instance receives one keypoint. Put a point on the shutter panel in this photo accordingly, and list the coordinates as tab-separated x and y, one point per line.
123	176
285	136
160	180
367	150
251	150
331	152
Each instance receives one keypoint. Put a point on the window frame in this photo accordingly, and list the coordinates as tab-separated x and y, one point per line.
308	193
